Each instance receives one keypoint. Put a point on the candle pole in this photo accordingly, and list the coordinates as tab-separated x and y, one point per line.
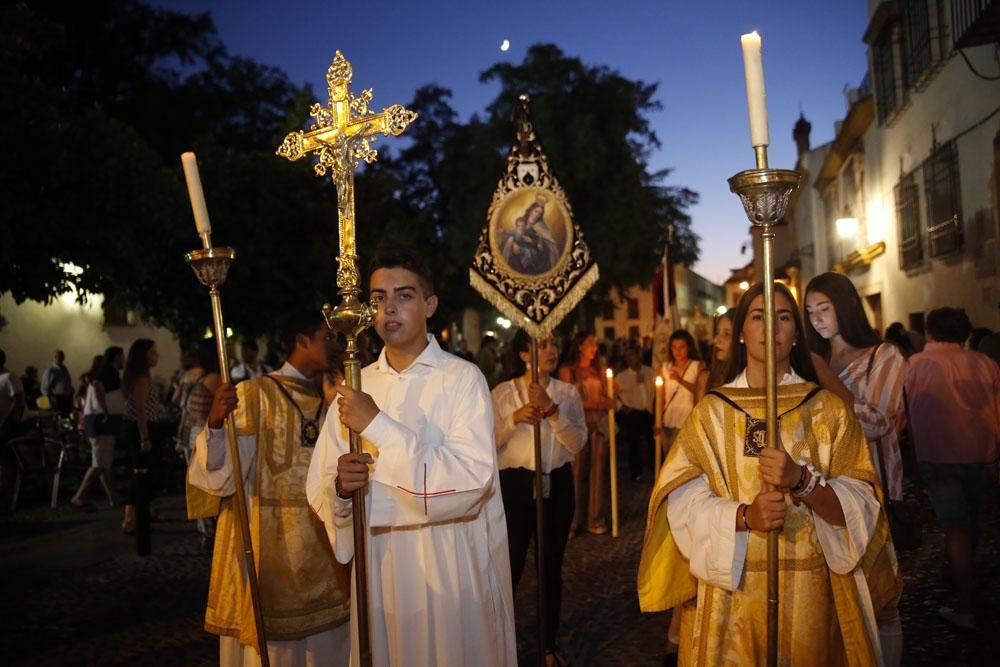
658	428
764	193
613	453
211	266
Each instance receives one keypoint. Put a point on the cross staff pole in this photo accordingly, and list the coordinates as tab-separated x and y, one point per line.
764	193
211	265
340	139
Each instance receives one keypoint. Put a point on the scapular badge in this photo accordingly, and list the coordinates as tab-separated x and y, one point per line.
756	436
310	432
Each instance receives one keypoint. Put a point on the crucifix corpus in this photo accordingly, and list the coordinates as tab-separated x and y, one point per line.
532	265
339	139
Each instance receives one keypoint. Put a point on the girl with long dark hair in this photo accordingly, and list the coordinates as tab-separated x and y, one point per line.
874	372
685	379
142	408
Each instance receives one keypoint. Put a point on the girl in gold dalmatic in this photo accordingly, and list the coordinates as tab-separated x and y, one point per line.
706	534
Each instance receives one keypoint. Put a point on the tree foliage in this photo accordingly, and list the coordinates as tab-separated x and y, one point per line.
105	95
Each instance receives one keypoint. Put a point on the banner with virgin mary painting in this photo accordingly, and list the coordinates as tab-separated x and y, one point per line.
531	263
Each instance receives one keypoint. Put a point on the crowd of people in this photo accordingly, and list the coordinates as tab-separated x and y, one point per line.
447	473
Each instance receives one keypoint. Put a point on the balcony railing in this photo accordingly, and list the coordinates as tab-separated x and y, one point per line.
975	22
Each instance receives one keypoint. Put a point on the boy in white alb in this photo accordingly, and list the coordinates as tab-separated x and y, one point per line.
438	563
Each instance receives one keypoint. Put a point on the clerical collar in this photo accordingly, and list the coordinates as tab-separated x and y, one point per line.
432	356
290	371
791	377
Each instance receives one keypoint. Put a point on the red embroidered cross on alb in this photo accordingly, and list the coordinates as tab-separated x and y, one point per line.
426	494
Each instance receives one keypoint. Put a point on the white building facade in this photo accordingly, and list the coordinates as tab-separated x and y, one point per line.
904	199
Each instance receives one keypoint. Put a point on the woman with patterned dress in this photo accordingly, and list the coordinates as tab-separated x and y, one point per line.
874	372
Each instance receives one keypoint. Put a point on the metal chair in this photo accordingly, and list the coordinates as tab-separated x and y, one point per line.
33	454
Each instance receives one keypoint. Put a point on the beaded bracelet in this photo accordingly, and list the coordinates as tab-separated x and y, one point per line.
815	478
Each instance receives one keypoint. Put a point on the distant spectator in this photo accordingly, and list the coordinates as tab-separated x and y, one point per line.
954	397
85	380
990	346
685	379
11	410
32	388
977	335
488	360
57	385
636	391
103	407
897	335
251	367
11	401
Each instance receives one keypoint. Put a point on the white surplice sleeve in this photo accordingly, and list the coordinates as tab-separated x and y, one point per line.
844	546
321	493
447	475
704	528
211	469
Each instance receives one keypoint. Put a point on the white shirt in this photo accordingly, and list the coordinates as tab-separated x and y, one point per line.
243	371
636	389
561	440
211	470
10	387
438	563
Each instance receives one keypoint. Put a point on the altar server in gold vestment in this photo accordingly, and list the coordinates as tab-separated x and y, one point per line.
706	533
304	591
438	562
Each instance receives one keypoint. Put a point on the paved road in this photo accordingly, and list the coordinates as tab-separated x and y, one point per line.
75	593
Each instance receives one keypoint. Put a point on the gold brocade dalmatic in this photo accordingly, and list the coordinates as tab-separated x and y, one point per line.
822	618
303	589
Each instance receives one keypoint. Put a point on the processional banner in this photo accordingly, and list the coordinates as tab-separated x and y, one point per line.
531	263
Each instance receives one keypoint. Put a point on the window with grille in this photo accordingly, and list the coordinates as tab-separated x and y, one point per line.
911	249
917	38
944	201
885	75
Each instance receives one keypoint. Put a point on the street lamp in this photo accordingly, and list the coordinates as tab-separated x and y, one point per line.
847	227
744	285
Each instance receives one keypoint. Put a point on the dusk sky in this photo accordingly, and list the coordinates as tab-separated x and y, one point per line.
812	51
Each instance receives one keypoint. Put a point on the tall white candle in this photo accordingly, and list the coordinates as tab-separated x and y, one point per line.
195	192
753	68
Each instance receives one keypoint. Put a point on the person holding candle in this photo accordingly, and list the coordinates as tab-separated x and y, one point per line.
635	398
706	533
304	591
582	367
519	404
685	379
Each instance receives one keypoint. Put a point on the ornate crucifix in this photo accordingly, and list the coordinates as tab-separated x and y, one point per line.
341	138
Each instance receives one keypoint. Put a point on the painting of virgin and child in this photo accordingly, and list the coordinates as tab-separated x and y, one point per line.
529	245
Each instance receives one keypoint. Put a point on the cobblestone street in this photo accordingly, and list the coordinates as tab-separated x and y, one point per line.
76	593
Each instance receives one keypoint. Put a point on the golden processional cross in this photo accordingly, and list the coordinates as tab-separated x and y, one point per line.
340	139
